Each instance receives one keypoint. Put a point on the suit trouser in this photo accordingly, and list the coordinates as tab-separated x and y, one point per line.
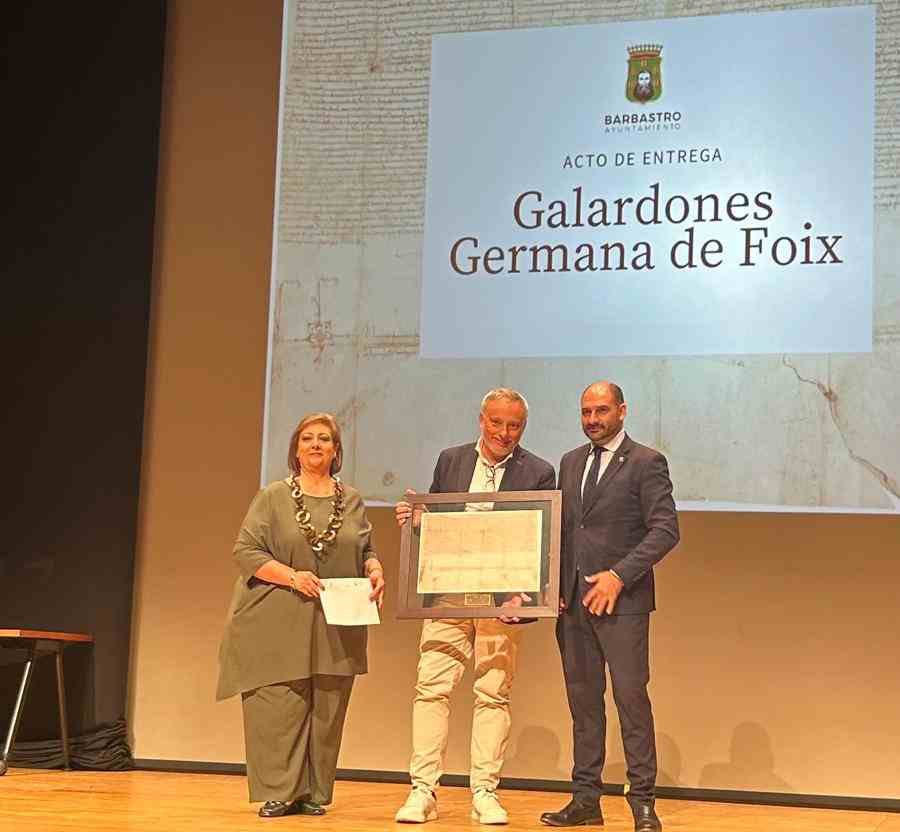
588	644
445	648
292	733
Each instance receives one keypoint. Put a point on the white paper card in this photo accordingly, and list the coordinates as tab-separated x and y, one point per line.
346	601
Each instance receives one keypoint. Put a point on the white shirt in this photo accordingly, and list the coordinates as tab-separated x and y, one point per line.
486	477
605	458
611	447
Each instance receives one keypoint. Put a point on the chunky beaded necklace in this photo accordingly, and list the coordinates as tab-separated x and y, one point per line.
318	540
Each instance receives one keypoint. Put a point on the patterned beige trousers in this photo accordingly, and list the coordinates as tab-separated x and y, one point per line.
445	648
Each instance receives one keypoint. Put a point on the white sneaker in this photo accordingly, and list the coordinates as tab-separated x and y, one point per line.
486	808
420	806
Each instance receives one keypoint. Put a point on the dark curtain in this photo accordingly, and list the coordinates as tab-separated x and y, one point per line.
81	117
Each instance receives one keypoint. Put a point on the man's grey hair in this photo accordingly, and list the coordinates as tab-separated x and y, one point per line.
504	393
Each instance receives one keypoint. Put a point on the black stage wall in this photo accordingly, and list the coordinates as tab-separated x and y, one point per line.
81	126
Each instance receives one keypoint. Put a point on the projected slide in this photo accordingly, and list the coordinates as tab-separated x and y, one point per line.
703	209
631	203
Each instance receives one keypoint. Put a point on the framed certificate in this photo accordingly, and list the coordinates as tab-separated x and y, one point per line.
481	555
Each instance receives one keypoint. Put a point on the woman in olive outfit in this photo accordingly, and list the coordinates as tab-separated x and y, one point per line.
293	670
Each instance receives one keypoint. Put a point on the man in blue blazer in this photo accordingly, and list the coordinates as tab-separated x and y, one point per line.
495	462
618	521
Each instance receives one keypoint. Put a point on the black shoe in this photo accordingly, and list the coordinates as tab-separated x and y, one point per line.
575	814
645	819
307	807
278	809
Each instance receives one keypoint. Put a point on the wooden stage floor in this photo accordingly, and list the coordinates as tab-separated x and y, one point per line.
34	800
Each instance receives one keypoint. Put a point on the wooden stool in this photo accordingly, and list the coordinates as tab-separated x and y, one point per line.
38	643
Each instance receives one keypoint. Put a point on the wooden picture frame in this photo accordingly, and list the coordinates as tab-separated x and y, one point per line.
414	602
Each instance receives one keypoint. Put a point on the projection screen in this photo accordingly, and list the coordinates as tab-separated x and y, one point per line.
703	209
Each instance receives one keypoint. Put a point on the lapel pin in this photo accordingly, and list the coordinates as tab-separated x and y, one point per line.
621	459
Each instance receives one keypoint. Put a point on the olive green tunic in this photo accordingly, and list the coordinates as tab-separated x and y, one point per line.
275	635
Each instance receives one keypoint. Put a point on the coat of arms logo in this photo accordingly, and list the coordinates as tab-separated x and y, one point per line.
644	73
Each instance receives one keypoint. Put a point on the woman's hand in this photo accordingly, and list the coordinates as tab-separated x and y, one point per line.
306	583
376	577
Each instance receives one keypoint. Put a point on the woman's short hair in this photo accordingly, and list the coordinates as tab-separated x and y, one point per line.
312	419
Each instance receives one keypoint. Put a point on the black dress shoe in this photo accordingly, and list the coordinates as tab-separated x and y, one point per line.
645	819
278	809
307	807
575	814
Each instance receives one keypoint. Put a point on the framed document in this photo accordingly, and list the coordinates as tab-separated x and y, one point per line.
481	555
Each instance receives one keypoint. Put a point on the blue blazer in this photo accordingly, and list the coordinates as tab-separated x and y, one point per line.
524	472
629	525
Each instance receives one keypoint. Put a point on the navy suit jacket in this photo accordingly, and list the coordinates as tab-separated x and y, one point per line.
524	471
629	525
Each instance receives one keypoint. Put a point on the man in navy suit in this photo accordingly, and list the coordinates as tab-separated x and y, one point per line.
495	462
618	521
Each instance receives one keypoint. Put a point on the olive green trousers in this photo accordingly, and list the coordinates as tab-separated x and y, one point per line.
292	734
